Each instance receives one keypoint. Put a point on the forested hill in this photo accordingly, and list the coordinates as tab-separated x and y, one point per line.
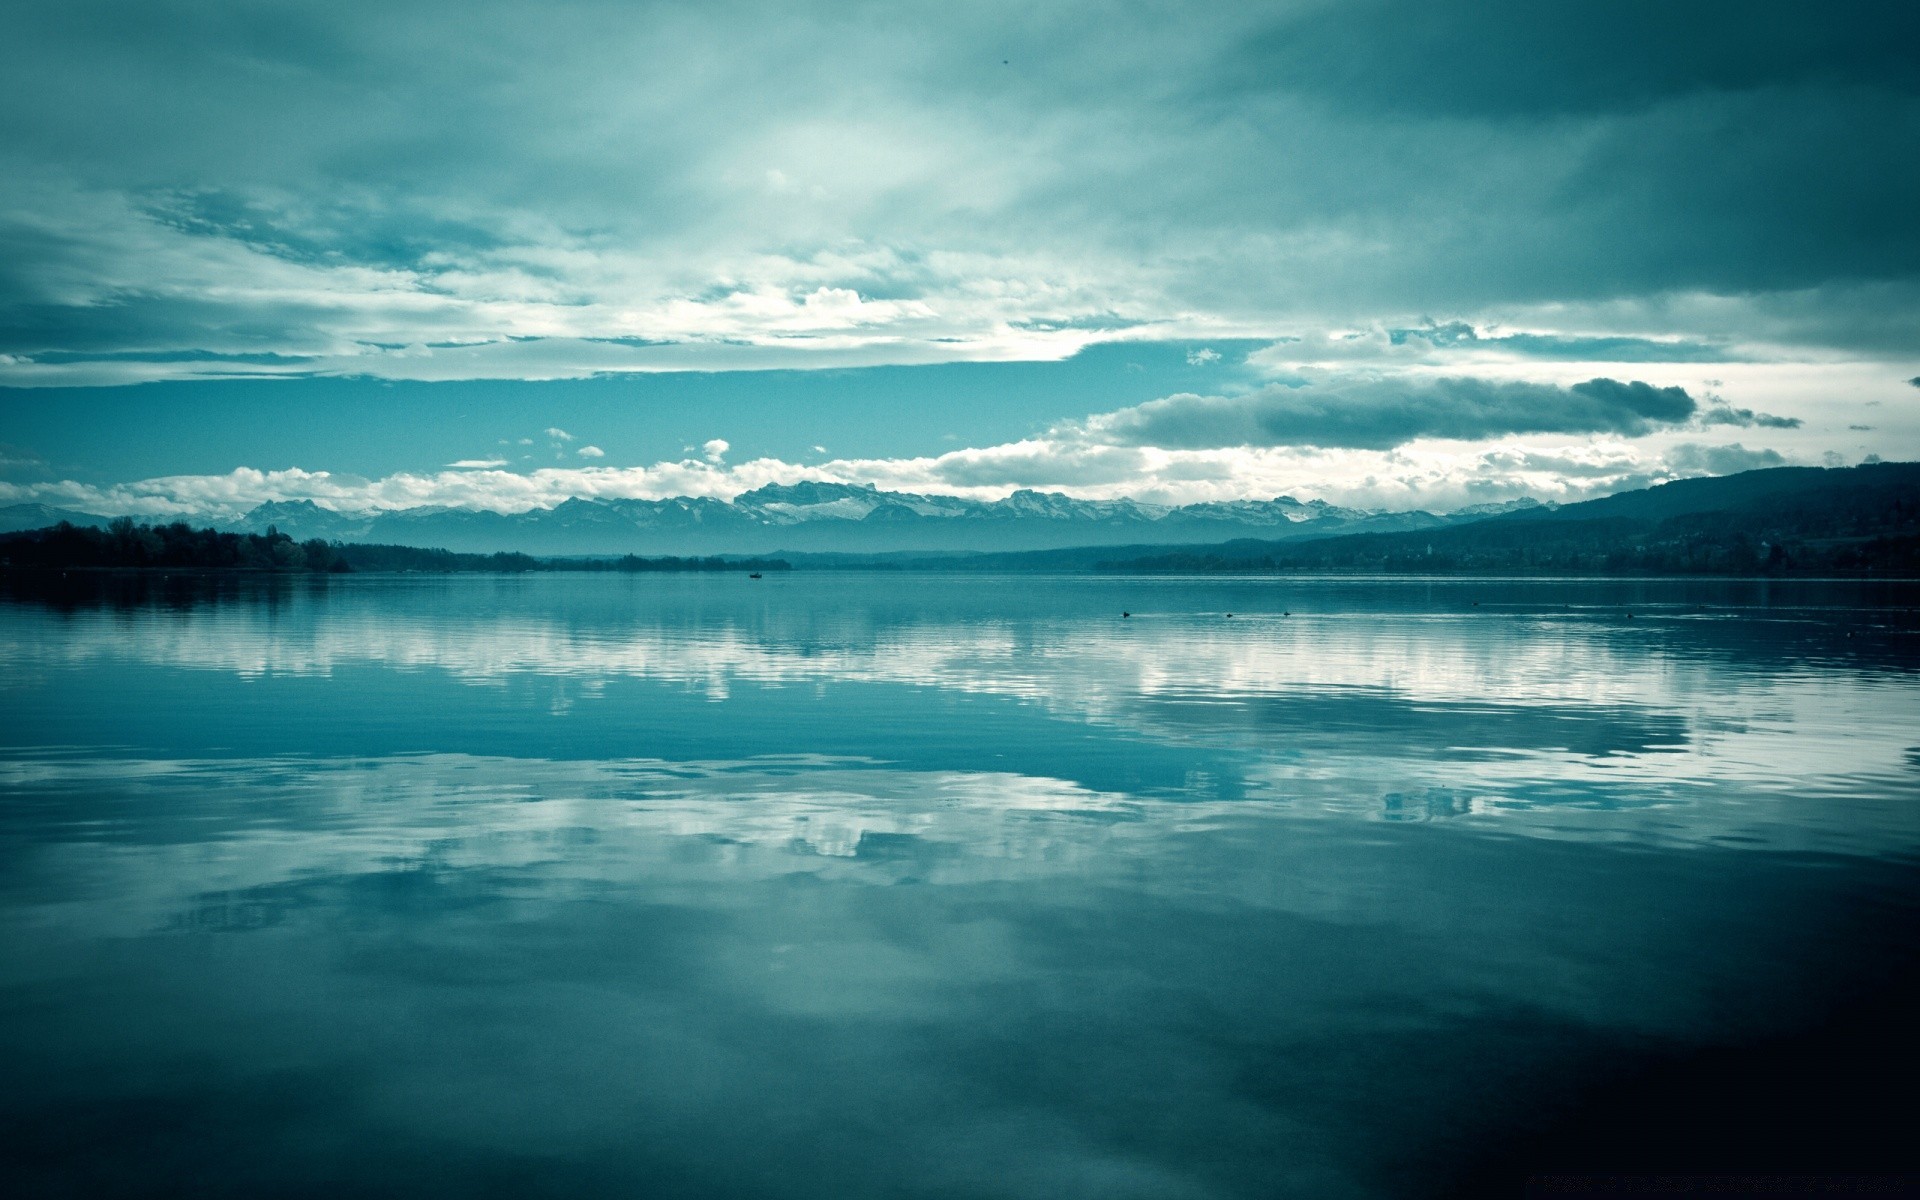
1788	520
125	545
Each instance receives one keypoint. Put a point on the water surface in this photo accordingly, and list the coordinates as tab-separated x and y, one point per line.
918	885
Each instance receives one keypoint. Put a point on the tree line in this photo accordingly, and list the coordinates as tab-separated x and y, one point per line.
124	544
1706	544
127	545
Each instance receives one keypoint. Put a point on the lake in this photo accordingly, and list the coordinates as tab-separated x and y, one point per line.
863	885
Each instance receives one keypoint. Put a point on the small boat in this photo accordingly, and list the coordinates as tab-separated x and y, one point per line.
755	575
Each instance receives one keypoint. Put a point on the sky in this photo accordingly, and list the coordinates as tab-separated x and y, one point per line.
1392	253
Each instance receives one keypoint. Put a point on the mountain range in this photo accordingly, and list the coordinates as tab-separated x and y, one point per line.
810	517
1783	520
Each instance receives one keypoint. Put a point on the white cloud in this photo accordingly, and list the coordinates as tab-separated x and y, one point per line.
478	463
716	449
559	435
591	452
1202	357
1432	475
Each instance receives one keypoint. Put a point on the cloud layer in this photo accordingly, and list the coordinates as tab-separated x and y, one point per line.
1420	474
1379	414
432	190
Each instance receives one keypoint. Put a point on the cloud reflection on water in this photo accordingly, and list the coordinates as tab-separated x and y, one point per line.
1363	697
449	886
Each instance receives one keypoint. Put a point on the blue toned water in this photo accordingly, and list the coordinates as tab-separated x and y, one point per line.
949	886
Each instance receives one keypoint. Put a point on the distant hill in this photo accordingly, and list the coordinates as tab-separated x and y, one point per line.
15	517
1785	520
1865	490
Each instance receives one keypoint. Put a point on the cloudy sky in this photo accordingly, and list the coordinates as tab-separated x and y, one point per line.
1393	253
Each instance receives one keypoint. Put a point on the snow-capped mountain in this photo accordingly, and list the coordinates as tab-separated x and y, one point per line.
809	517
815	516
1523	504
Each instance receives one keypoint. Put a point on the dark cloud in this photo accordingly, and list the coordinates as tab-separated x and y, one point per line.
1691	458
1746	418
1560	347
1735	147
1382	413
17	462
1517	57
327	229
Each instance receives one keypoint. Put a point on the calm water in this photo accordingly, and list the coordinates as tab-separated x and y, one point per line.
916	885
